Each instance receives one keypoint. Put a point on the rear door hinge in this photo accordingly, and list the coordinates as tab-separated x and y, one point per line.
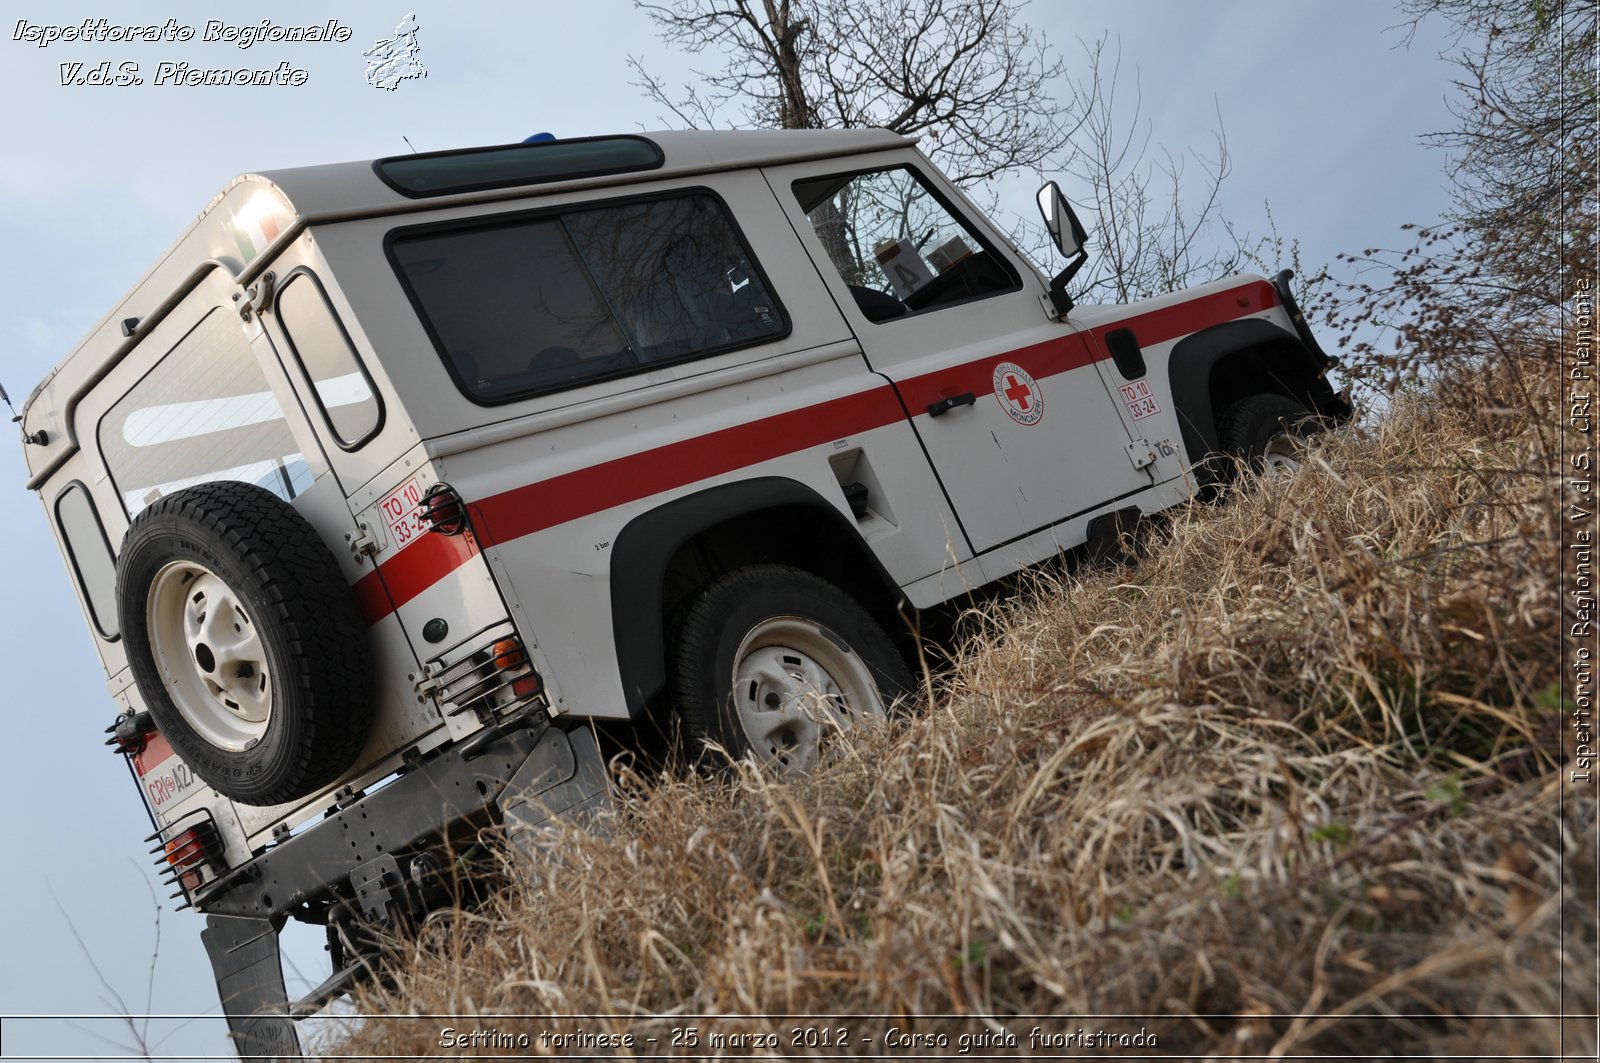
427	683
363	542
1141	453
257	297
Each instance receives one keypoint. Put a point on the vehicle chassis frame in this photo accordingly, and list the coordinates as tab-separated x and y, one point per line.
347	868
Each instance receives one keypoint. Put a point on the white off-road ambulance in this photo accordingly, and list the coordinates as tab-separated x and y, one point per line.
389	476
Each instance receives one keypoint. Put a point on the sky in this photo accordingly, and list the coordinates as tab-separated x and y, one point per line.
1322	104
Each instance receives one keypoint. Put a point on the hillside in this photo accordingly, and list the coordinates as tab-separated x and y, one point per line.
1292	784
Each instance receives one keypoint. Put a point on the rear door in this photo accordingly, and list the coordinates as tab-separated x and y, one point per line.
1007	404
427	598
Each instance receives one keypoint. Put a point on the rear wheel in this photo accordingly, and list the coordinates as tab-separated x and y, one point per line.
772	659
245	641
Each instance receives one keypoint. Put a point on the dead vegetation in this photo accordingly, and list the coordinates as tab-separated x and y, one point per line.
1296	784
1293	784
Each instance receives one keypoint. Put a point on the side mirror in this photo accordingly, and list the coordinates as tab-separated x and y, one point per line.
1069	236
1065	229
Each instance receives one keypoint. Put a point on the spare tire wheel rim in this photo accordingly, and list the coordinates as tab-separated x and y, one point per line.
793	681
206	645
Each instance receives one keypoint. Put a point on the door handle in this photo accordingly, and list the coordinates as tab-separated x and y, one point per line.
944	406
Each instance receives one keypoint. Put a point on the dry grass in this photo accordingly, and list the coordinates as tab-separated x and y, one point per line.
1293	784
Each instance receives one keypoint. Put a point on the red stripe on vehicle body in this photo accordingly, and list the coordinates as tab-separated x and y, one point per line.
1180	319
1075	350
1050	358
535	507
524	510
413	570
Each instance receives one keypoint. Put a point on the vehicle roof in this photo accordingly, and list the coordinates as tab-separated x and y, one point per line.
347	186
258	213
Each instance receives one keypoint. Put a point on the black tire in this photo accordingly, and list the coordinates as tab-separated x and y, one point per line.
775	622
1265	429
279	705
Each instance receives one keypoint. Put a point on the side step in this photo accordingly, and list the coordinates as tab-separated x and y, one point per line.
1114	537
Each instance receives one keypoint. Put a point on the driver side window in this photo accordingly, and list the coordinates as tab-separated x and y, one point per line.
898	247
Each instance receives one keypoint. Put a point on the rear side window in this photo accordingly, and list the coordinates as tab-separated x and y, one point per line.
89	552
531	304
204	413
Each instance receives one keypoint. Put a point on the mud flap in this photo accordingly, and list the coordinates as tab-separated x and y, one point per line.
564	777
249	974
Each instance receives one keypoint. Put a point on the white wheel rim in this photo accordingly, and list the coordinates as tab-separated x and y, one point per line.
1281	459
793	684
210	655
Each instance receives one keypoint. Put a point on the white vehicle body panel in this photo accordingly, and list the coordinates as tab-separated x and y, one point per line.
945	501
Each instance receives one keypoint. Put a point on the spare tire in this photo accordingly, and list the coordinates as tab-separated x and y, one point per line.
245	641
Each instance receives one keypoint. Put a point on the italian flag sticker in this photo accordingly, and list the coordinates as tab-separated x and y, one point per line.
253	230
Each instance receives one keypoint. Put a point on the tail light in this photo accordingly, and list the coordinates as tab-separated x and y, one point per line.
489	673
443	510
187	849
508	656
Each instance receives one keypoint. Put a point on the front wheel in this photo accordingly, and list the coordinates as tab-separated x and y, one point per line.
1267	432
772	659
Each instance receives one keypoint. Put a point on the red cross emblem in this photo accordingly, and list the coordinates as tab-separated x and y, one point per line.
1018	393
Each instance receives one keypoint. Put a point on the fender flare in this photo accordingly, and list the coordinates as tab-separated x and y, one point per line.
643	550
1189	370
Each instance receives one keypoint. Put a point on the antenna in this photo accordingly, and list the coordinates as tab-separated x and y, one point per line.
39	438
408	143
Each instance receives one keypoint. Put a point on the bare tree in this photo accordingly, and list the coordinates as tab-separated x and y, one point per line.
138	1031
1157	222
1495	278
1523	153
988	97
968	76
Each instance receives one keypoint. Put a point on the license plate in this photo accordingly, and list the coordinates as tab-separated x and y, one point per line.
166	779
402	513
1139	401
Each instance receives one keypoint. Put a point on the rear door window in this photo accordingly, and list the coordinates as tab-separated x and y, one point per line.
204	413
525	305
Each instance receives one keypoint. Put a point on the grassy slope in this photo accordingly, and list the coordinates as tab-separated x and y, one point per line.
1306	758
